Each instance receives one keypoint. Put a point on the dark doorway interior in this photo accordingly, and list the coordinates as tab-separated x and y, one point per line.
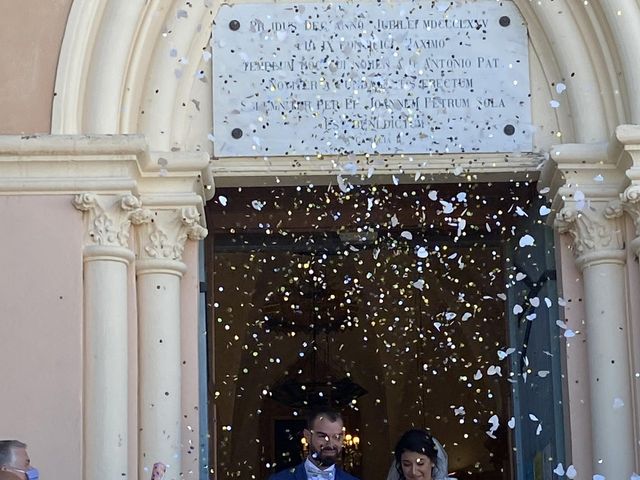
398	289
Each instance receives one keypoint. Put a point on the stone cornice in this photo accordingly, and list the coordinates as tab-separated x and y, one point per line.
461	167
163	233
102	164
595	170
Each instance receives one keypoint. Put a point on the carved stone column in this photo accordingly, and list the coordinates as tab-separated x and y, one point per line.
600	255
159	271
108	220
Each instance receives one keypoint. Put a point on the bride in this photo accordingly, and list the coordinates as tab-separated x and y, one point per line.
418	456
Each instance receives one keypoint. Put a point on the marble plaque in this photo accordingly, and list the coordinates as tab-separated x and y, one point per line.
367	77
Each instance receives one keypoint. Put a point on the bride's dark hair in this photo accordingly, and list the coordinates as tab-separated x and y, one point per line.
419	441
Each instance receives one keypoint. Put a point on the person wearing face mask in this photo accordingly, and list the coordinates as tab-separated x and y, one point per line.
324	435
418	456
15	462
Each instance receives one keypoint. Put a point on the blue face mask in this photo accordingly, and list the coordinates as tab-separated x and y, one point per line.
32	473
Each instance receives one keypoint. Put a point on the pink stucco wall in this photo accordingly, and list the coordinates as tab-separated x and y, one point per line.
41	330
31	38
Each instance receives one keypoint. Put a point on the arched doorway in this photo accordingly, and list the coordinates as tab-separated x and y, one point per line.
102	89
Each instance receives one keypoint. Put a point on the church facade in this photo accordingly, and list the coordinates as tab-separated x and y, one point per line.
107	164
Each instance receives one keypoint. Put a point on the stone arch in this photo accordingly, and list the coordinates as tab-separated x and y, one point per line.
132	67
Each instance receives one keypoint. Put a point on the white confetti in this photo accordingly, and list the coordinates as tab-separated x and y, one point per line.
447	207
512	423
571	472
520	212
598	178
406	234
350	168
258	205
504	354
477	375
562	302
462	223
535	302
533	418
517	309
495	423
394	221
618	403
442	5
419	284
544	210
560	87
520	276
597	476
223	200
494	370
343	185
580	200
554	103
568	333
422	252
433	195
543	373
526	241
559	470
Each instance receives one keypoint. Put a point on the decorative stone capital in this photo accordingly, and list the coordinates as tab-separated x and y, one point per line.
595	232
162	233
108	218
630	203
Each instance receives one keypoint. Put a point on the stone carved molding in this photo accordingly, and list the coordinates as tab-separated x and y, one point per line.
163	233
108	218
591	230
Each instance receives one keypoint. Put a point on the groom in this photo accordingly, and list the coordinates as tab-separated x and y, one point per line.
324	435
